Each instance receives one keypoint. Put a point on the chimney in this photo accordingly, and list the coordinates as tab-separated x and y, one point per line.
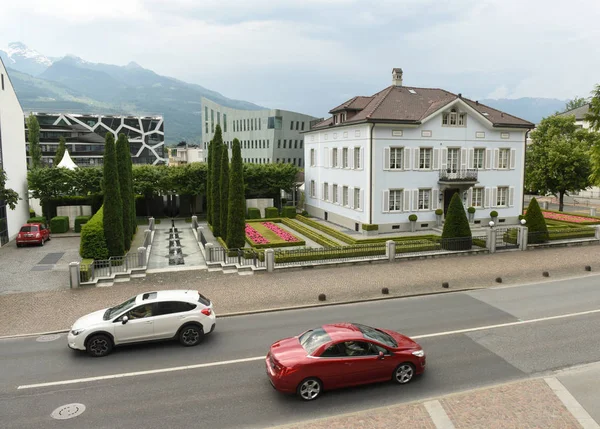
397	77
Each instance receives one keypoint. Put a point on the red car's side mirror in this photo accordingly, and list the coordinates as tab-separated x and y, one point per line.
381	355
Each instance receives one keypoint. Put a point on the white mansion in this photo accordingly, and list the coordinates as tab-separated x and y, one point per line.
406	151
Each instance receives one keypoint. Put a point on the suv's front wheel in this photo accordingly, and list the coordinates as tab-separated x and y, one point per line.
191	335
99	345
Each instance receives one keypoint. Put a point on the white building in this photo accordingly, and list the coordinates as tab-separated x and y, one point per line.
266	136
12	158
185	154
406	151
580	114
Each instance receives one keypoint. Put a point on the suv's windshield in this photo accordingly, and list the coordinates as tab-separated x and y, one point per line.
376	335
312	340
112	312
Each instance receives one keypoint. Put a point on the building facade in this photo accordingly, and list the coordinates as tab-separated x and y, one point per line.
185	153
266	136
12	158
85	134
407	150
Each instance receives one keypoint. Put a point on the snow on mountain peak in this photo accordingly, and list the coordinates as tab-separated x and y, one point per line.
18	49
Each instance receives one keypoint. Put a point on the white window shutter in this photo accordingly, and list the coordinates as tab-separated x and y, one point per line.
406	202
513	158
486	197
330	193
351	197
444	158
511	196
362	198
436	159
323	191
494	201
331	158
415	200
386	201
488	159
340	194
406	155
496	158
326	158
463	158
386	158
434	198
470	197
471	163
351	158
362	158
340	157
416	158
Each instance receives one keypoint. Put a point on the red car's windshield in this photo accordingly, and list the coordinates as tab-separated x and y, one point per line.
376	335
313	339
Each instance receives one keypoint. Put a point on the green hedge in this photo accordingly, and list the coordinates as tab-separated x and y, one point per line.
85	268
37	219
370	227
327	230
79	221
253	213
271	212
59	224
563	235
289	212
93	244
94	200
309	233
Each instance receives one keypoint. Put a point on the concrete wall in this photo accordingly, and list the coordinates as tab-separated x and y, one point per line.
259	203
73	212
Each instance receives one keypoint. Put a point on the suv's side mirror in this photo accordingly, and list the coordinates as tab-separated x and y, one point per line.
124	320
381	355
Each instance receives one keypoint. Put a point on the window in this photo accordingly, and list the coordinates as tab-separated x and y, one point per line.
357	198
335	158
292	125
326	191
454	119
259	125
477	197
357	158
295	144
212	121
345	201
224	122
268	143
345	158
502	197
302	129
218	118
274	122
277	161
206	127
313	339
278	144
312	158
424	199
503	158
425	158
2	78
140	312
396	158
452	159
313	189
479	158
396	200
171	307
285	143
335	194
301	143
297	125
294	161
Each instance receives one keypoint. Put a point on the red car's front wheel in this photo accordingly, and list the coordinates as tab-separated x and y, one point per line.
404	373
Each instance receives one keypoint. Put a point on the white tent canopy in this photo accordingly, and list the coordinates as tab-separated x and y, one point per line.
67	162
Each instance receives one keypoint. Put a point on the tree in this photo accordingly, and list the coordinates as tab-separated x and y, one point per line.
267	180
113	204
236	220
558	159
60	151
131	189
457	232
47	183
188	179
10	197
537	231
209	201
224	197
593	116
87	181
215	181
149	181
575	103
124	169
33	137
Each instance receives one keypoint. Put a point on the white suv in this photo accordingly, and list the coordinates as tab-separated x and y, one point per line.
185	315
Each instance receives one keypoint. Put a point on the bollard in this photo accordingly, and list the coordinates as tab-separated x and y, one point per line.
209	247
74	275
141	256
195	222
597	233
390	250
523	236
270	260
151	224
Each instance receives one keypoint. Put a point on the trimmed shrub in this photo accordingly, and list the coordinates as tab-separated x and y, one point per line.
439	212
253	213
271	212
37	219
80	221
493	213
327	230
471	210
521	217
31	213
370	227
536	224
289	212
93	244
59	224
412	217
85	268
457	233
309	233
305	213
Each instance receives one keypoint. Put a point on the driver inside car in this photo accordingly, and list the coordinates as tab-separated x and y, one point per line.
141	312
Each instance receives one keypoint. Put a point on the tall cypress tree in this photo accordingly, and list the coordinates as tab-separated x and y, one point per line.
236	220
113	205
125	187
60	151
224	198
215	181
209	202
133	211
33	137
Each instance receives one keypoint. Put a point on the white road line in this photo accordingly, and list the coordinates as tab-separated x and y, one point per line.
569	401
438	415
251	359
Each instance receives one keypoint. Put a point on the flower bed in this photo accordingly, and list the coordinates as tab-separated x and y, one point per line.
254	236
282	233
567	217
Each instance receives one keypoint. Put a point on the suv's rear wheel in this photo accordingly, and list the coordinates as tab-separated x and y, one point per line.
99	345
191	335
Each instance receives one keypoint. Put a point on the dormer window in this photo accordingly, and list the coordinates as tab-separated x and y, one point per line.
454	119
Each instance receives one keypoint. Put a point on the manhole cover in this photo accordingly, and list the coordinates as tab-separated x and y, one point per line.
68	411
46	338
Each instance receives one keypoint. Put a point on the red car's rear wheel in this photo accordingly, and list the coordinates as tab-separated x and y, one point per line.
310	389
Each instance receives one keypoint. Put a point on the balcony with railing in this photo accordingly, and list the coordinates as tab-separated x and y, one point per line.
458	175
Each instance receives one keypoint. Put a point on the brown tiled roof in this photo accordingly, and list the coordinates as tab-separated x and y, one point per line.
413	105
578	112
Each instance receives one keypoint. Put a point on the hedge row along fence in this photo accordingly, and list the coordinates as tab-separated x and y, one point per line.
93	244
309	233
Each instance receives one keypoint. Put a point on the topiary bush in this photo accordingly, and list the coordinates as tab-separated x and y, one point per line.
439	212
289	212
457	233
93	243
31	213
471	210
59	224
493	213
271	212
412	217
37	219
253	213
370	227
536	224
80	221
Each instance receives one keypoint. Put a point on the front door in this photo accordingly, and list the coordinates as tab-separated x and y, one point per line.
453	154
448	194
139	327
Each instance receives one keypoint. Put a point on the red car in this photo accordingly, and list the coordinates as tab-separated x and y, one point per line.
341	355
33	233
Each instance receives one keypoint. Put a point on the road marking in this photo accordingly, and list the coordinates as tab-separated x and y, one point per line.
438	415
585	420
251	359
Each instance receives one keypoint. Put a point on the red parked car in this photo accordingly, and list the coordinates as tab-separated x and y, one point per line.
341	355
33	233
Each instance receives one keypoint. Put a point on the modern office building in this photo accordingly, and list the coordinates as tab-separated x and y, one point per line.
266	136
85	134
12	158
406	151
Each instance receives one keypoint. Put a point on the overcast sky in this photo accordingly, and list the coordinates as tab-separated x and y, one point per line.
311	55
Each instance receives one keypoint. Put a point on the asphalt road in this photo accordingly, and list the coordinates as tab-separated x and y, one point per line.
238	394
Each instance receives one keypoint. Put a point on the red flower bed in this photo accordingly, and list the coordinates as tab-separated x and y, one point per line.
282	233
255	236
566	217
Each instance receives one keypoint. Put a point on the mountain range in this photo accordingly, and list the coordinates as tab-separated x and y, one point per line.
71	84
